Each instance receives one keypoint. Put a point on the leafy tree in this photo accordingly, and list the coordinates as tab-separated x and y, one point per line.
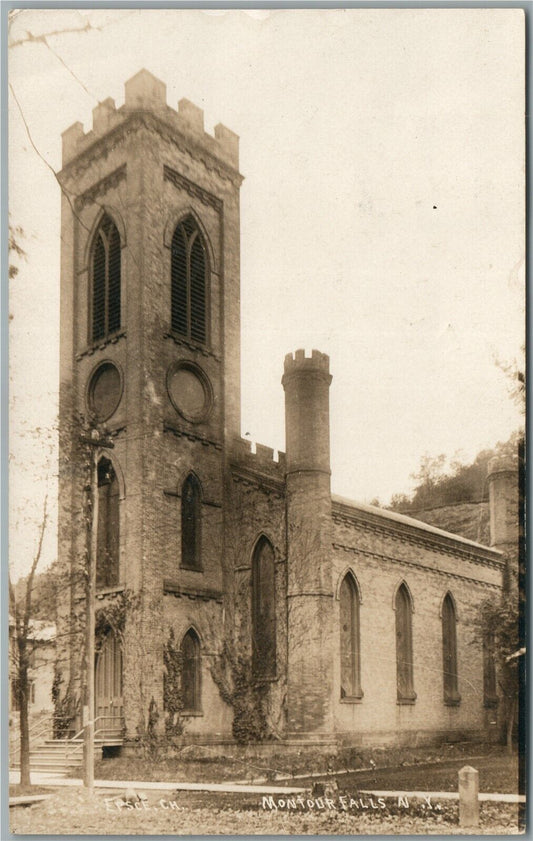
500	621
439	485
44	593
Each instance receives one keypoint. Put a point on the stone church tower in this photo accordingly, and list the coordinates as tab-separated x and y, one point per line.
236	596
150	333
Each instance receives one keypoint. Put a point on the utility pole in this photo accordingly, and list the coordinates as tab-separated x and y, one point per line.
96	442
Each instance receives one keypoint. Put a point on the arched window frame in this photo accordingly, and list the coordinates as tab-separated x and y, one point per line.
263	583
105	281
349	597
108	528
191	523
191	672
403	606
189	281
449	652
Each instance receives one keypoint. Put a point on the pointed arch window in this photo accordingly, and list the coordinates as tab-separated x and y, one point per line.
191	520
105	270
191	672
449	652
350	646
404	646
107	560
263	610
189	282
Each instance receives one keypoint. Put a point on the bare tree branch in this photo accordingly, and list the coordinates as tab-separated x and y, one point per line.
43	159
36	39
36	559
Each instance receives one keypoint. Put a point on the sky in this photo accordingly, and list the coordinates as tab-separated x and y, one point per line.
382	218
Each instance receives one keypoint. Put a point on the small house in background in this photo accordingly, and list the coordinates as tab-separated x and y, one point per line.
42	648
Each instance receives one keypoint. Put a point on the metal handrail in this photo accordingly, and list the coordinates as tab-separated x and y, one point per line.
70	741
98	717
79	745
35	724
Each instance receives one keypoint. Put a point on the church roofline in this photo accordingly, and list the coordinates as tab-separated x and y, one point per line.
372	514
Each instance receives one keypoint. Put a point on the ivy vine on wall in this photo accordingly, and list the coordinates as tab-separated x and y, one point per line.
233	676
172	686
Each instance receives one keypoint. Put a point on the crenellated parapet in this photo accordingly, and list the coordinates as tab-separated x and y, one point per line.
261	461
299	363
306	380
503	481
502	464
146	95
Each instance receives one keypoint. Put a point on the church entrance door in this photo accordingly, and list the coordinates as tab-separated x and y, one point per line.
108	689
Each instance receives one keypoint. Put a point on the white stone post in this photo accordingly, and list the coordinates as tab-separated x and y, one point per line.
468	796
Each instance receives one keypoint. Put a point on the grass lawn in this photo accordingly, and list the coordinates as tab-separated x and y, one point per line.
74	811
422	770
217	770
16	790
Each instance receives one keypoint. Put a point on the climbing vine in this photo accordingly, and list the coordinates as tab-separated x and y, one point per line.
66	707
172	688
233	676
112	616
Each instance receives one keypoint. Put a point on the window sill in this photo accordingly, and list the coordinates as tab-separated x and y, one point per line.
191	569
101	344
453	701
178	339
407	700
352	699
192	713
102	592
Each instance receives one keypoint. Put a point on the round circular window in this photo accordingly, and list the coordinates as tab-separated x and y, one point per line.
190	391
105	391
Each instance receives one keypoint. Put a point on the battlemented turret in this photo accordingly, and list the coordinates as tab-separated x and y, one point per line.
502	477
306	381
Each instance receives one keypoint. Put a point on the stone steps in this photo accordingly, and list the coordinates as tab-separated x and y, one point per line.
59	755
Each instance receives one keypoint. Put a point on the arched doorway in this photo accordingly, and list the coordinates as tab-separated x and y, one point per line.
108	689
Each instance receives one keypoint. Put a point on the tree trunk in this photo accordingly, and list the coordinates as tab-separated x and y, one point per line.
510	724
23	697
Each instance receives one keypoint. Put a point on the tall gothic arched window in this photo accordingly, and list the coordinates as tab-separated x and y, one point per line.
105	269
449	652
191	521
404	646
191	685
263	610
189	282
108	535
350	645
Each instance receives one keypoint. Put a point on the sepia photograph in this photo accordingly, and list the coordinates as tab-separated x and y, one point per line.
266	421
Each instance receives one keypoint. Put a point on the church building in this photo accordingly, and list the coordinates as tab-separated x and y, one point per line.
236	597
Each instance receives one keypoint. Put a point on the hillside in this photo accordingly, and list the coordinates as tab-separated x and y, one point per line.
454	496
469	519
